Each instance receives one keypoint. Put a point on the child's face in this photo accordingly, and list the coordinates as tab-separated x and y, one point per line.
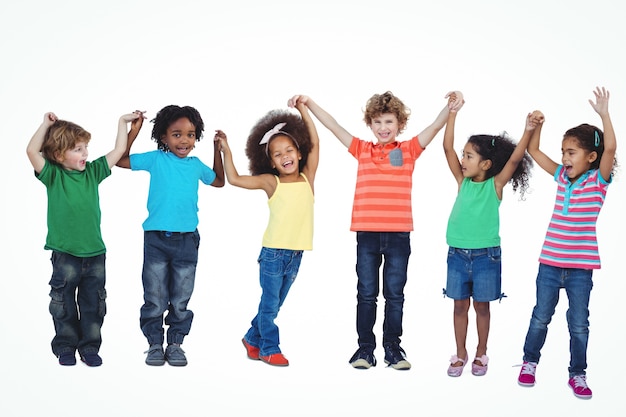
75	159
284	155
472	165
180	137
385	127
575	159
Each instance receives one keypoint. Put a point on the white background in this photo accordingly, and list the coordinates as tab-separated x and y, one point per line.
90	62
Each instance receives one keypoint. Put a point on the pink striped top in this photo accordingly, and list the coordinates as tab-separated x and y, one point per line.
571	240
382	198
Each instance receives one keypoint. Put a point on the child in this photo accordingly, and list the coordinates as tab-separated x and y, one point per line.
171	237
58	153
382	216
283	150
570	249
474	255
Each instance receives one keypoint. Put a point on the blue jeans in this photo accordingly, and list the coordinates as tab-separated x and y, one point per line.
77	302
278	270
578	284
372	248
169	274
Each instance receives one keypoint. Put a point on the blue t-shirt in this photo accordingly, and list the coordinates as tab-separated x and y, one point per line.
173	193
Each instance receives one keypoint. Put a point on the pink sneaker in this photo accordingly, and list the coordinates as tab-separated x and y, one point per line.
578	384
480	370
456	370
526	376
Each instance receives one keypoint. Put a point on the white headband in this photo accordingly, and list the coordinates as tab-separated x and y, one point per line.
272	132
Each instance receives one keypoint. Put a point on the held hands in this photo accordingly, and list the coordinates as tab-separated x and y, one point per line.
601	106
534	119
455	101
135	117
297	100
220	141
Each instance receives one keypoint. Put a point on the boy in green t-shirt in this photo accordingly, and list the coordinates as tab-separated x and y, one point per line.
58	153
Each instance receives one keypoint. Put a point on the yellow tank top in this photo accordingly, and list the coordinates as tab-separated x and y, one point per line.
291	216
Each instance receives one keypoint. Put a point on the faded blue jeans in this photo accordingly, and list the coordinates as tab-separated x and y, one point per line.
372	248
278	269
169	274
77	302
578	284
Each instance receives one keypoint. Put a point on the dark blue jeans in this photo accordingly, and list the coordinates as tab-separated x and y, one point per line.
77	302
372	248
278	269
169	273
578	284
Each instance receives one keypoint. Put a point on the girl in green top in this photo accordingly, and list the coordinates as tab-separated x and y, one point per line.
488	163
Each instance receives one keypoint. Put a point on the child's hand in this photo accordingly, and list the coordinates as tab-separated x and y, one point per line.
131	117
297	99
220	139
49	119
455	101
137	121
601	106
534	119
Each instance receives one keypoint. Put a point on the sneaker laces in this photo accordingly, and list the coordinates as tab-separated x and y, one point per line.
580	381
528	368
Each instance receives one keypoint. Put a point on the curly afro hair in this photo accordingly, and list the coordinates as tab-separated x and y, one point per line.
295	128
168	115
498	149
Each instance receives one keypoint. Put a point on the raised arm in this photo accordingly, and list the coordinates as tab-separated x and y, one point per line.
455	102
33	149
122	138
264	182
314	154
543	160
601	106
448	148
135	127
218	165
533	122
326	119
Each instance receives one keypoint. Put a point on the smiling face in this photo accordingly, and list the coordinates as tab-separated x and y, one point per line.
575	159
75	159
180	137
284	155
385	127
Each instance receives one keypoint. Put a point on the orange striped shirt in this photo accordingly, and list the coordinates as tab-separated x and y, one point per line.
382	198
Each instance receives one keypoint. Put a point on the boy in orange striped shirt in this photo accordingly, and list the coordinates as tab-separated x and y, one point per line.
382	215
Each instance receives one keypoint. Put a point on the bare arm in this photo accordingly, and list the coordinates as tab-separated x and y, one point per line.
313	158
533	122
455	102
33	149
448	149
135	127
601	106
218	165
326	119
122	138
265	182
543	160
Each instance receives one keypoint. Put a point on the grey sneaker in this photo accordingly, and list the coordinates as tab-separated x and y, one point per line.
155	357
175	355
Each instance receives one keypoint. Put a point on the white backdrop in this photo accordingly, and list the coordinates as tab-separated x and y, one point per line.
234	61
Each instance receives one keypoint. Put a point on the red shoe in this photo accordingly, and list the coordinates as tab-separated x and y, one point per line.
276	359
253	352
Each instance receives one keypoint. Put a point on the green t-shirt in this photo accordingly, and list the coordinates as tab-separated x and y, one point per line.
474	222
74	208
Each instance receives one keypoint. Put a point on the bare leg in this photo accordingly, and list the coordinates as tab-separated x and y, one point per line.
483	318
461	308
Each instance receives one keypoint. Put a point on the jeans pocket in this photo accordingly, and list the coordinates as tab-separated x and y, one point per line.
57	306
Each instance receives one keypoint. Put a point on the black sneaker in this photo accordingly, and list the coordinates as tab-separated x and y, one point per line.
175	355
395	357
363	358
91	359
156	357
67	359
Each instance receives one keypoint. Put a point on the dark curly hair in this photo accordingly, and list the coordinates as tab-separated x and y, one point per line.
168	115
295	128
386	103
498	149
591	139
